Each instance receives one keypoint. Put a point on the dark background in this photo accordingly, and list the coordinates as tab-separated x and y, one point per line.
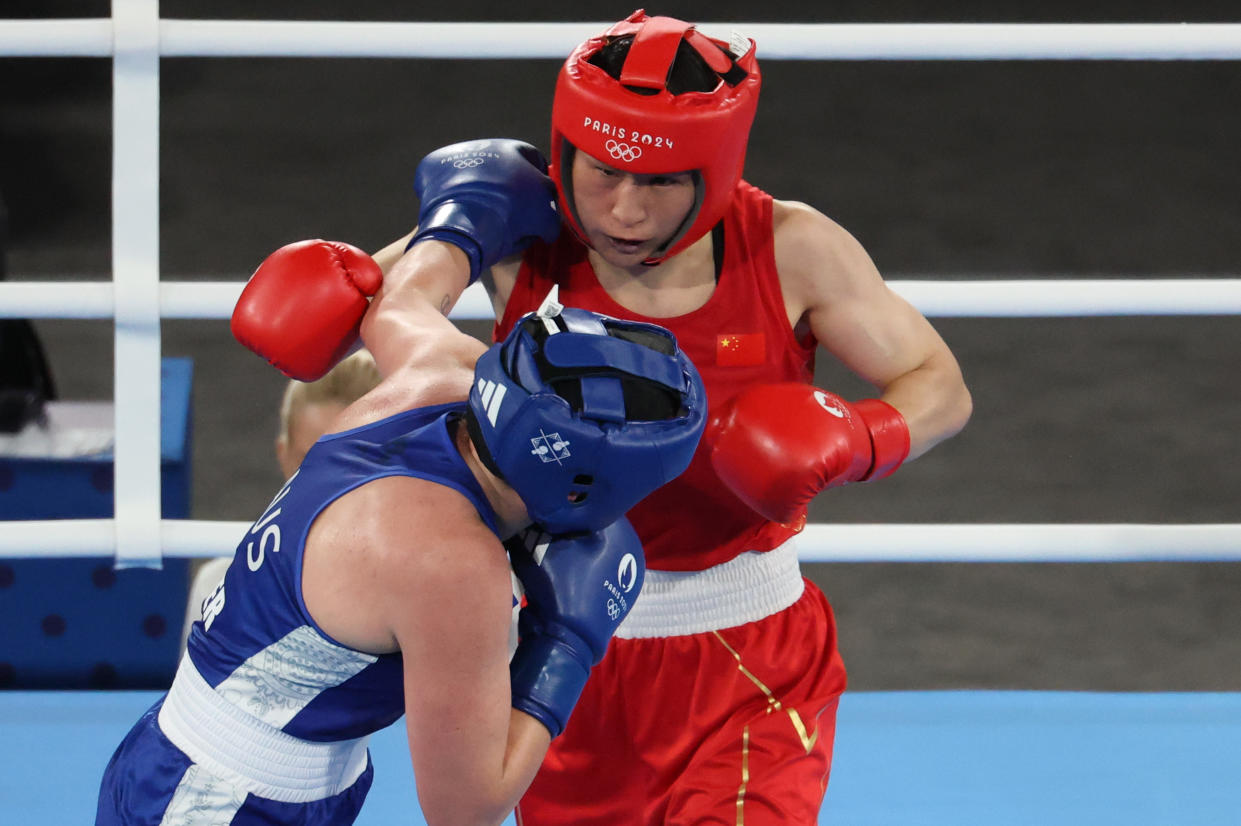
954	170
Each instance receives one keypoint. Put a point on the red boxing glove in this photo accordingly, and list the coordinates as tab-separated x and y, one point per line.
302	308
775	446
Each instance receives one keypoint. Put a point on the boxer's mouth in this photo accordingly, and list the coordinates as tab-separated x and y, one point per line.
626	246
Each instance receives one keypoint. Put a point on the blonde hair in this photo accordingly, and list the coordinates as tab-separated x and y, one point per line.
347	382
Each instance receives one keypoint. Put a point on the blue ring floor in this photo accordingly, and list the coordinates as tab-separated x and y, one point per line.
1000	758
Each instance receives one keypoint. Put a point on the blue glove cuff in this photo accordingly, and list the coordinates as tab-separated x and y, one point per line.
469	225
548	675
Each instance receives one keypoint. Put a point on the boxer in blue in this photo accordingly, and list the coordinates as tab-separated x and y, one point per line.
383	578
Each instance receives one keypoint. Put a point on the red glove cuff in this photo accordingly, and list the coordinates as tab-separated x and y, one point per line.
889	436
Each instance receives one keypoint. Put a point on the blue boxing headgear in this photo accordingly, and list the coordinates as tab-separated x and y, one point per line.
583	415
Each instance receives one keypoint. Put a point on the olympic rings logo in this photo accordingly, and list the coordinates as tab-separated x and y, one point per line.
623	151
467	163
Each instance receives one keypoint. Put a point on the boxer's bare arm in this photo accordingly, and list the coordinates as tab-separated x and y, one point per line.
423	358
406	326
405	564
831	284
473	754
498	280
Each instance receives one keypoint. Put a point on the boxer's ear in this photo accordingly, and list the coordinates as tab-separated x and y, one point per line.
282	455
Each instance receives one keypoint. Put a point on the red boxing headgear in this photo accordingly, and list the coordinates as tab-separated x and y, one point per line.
652	131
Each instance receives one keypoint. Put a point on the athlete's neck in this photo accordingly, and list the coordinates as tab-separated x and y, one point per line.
678	285
510	511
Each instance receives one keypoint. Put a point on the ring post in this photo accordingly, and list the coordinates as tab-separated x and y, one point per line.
135	274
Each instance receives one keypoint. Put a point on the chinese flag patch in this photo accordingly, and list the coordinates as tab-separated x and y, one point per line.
740	349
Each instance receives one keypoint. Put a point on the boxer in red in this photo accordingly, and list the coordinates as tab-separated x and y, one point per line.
716	702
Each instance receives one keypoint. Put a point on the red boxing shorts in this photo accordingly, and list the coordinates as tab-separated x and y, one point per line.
732	725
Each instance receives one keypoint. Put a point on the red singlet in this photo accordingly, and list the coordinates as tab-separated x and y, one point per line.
740	337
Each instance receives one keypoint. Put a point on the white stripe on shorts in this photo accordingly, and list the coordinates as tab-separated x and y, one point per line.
202	799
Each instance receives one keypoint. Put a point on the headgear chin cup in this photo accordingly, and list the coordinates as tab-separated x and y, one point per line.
653	131
548	414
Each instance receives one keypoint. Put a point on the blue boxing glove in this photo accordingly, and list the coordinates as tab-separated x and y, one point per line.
491	198
578	589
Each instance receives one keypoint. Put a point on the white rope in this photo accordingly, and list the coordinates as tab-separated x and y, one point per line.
96	537
818	543
1052	297
1077	297
56	38
1021	543
797	41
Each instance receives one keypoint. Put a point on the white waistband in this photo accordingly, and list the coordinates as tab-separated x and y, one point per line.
744	589
254	755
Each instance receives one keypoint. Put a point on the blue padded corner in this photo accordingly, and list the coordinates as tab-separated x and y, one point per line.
78	623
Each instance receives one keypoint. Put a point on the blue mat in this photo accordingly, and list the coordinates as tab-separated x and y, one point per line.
925	758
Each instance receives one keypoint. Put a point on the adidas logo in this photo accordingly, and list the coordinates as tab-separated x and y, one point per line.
537	543
491	394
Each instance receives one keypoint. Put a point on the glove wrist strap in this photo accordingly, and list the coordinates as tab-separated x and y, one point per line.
469	225
547	679
889	436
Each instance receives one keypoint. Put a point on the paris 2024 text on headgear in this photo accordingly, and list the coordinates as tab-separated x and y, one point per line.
636	123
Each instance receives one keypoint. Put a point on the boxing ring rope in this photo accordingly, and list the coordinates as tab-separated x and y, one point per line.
908	542
136	38
1000	298
798	41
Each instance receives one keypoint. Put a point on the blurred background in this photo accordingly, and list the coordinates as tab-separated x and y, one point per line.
948	170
